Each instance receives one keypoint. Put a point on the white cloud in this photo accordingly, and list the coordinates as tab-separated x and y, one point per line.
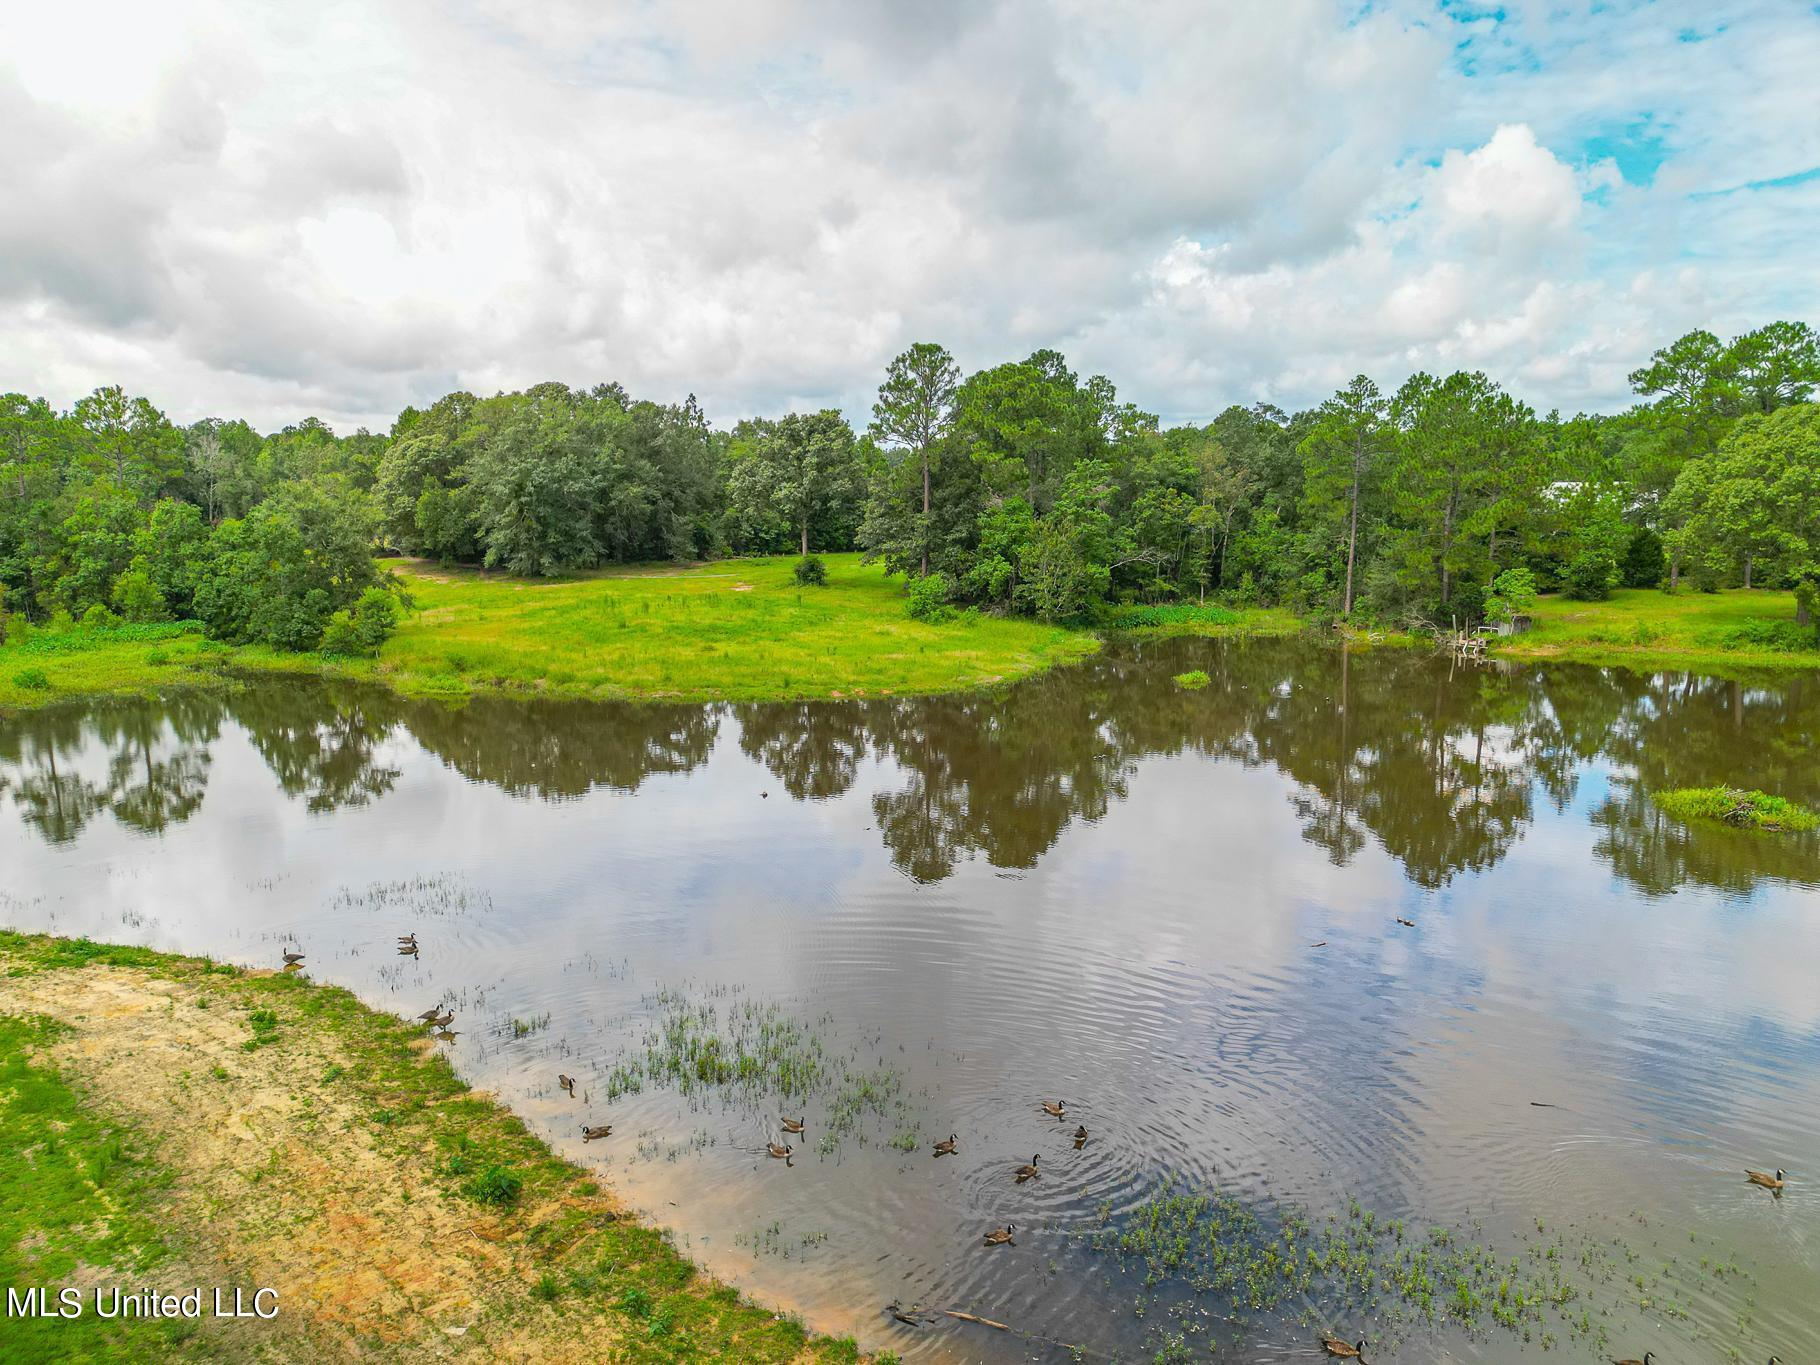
1511	195
343	208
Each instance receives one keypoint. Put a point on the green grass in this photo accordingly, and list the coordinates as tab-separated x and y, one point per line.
1740	809
75	1191
1186	618
1709	632
1193	680
733	630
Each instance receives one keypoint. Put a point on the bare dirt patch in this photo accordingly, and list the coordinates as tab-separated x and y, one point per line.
280	1183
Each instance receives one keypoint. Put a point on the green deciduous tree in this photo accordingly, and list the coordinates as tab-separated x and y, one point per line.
790	471
1754	507
276	576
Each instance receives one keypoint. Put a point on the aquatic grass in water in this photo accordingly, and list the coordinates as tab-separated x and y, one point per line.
1738	808
760	1054
1193	680
1184	1246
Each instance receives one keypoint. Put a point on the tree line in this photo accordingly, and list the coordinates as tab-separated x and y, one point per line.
1020	488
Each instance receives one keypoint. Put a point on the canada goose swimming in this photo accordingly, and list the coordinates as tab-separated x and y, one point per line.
407	950
779	1150
292	959
1001	1237
793	1125
567	1083
1055	1108
1769	1182
1647	1357
1029	1172
1080	1137
1346	1350
590	1132
1406	923
946	1147
407	938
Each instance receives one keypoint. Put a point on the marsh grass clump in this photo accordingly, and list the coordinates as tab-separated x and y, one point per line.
759	1054
754	1048
1183	1245
1193	680
1170	616
1737	808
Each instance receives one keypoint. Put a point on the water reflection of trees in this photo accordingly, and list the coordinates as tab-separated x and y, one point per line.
322	743
558	750
156	770
1684	730
1440	769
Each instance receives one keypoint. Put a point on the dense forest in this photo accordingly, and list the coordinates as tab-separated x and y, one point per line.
1021	488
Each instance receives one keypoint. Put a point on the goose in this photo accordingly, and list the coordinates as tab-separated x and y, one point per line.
793	1125
1001	1237
1406	923
430	1013
442	1020
567	1083
1080	1137
407	938
779	1150
946	1147
448	1035
1055	1108
1647	1357
592	1131
1346	1350
292	959
1029	1172
1769	1182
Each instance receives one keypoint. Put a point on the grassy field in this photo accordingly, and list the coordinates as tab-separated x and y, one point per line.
173	1123
736	630
1644	628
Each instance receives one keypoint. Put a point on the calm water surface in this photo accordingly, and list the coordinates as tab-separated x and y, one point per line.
1095	886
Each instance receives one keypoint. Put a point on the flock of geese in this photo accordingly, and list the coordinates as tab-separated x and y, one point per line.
440	1019
948	1146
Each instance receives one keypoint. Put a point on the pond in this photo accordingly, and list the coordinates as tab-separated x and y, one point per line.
1519	1119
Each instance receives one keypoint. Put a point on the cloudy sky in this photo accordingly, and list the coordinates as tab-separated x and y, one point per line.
273	210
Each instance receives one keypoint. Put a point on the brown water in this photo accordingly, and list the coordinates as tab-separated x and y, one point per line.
1095	886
